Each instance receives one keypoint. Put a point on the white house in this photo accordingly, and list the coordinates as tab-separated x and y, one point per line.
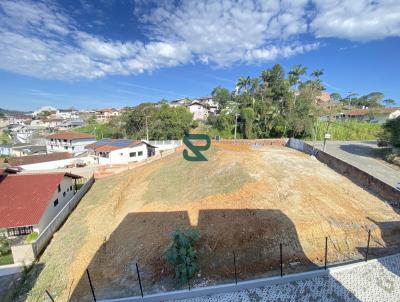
373	115
67	113
69	141
120	151
104	115
199	111
28	202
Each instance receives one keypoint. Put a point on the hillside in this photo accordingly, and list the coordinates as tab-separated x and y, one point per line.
243	199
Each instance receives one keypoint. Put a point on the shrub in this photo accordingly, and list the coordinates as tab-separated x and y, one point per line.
391	131
31	237
5	247
182	255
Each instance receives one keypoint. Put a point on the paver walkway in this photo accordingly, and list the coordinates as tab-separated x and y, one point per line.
375	281
361	155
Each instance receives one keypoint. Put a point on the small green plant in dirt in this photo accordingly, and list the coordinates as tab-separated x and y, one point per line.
31	237
182	254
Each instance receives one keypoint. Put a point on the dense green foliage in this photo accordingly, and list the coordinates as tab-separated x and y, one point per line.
4	138
274	104
111	129
182	255
5	247
391	132
347	130
163	122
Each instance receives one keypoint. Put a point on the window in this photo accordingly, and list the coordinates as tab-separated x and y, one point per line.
121	154
140	153
67	189
70	188
20	231
132	154
55	202
65	147
59	188
73	148
64	194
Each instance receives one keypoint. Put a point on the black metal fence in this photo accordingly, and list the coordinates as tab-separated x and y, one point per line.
246	262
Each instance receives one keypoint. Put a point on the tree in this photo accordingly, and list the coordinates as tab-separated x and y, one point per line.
295	74
247	117
221	96
389	102
391	131
242	83
181	253
336	97
317	73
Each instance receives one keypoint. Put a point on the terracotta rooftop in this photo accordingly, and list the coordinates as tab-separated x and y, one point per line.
70	135
35	159
24	197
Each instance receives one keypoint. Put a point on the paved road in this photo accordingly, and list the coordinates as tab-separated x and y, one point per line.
375	281
362	154
6	284
86	172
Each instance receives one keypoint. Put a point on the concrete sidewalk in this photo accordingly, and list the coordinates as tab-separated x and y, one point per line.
373	281
361	154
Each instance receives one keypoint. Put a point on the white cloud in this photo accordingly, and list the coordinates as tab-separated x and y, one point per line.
40	39
357	20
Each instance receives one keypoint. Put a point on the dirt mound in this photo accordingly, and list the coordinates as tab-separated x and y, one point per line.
244	199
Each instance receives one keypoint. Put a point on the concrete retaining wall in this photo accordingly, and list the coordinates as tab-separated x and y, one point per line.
45	236
371	183
260	142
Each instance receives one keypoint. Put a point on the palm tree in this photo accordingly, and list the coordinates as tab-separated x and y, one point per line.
295	73
242	83
317	73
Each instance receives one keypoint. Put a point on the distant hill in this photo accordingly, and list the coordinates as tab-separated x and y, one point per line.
11	112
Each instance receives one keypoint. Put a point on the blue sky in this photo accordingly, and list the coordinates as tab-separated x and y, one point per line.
92	54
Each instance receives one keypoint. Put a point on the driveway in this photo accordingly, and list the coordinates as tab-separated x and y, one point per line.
6	284
362	154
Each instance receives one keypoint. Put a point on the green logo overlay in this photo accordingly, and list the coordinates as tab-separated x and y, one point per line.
198	156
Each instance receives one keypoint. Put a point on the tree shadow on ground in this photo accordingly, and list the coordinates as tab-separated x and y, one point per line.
254	235
361	150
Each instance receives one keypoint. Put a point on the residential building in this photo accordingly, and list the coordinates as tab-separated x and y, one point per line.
42	159
104	115
5	149
69	141
67	113
29	202
373	115
20	119
323	98
49	109
119	151
27	149
199	111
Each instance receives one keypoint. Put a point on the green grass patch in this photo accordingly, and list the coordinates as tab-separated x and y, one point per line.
180	180
6	259
349	130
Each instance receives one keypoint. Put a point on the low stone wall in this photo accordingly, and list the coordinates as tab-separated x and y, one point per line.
260	142
369	182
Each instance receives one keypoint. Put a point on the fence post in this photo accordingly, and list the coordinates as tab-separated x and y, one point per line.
140	281
48	294
234	264
91	286
280	249
369	237
326	251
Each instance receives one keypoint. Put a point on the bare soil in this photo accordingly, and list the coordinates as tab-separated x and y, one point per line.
243	199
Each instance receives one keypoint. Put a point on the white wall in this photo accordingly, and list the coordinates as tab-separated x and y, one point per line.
121	156
51	210
56	164
78	144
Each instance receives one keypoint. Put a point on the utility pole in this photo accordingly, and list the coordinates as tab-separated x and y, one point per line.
147	131
236	116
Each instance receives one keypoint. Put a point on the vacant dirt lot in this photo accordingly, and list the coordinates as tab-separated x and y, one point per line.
247	200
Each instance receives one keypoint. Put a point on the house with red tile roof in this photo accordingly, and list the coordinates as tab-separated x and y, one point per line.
373	115
68	141
104	115
120	151
29	202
